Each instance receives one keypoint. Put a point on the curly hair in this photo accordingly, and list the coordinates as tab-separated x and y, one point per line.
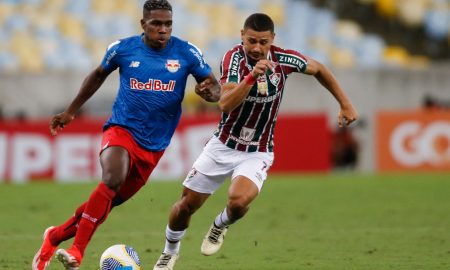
150	5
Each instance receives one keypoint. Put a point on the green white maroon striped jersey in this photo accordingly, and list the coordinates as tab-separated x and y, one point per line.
250	127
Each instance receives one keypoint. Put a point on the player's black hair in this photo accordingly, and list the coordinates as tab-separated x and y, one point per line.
150	5
259	22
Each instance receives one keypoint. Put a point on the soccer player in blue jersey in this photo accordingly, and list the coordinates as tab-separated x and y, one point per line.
253	76
154	67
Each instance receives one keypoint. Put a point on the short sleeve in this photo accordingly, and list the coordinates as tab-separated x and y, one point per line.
229	67
292	61
200	69
109	61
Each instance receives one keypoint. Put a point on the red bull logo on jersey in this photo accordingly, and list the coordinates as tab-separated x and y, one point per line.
152	85
172	65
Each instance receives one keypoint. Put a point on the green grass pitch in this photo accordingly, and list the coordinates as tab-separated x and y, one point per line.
336	221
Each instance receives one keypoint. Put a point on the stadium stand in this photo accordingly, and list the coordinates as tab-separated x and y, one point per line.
60	40
42	35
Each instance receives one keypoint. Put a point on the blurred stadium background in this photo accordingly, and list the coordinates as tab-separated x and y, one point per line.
391	56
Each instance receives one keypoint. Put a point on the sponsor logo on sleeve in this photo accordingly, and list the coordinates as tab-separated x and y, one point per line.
110	56
198	56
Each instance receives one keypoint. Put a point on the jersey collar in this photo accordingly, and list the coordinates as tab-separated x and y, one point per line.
165	49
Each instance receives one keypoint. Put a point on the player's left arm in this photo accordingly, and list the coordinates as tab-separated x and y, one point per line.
347	113
208	88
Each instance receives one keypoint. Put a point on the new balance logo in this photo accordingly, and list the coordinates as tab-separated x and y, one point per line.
134	64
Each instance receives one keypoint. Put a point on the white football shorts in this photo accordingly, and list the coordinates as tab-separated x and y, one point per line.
217	162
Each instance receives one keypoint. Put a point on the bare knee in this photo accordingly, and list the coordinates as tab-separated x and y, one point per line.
112	180
185	207
237	207
115	165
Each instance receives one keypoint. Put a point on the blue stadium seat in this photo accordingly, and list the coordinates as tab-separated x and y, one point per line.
213	25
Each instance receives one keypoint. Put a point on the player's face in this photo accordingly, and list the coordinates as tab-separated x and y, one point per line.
157	26
257	44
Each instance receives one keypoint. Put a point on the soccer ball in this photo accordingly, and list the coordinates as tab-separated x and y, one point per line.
120	257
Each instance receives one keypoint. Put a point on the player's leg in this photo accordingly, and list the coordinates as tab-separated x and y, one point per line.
241	193
198	188
115	162
247	181
179	219
53	236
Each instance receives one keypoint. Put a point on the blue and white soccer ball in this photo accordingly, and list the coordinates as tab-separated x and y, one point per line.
120	257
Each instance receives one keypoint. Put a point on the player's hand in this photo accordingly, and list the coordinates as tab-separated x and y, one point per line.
59	121
347	115
261	67
208	89
203	89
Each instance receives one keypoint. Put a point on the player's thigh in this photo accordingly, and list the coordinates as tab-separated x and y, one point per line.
254	167
142	165
115	162
212	167
202	183
242	191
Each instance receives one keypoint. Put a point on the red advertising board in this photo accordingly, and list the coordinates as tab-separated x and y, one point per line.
413	141
29	152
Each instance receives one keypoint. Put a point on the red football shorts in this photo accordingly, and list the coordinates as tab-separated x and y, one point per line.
142	162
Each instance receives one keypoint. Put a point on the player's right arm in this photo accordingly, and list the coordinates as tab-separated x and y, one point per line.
90	85
347	113
233	94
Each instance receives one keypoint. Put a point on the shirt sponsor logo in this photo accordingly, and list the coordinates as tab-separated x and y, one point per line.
173	65
155	85
238	140
263	99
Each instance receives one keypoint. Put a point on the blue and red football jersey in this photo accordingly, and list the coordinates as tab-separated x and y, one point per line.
152	85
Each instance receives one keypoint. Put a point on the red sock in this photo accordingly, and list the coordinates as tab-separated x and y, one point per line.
96	210
68	229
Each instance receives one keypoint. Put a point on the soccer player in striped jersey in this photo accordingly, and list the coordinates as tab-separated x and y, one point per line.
253	76
154	67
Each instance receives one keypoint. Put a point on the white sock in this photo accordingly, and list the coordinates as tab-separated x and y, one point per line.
173	239
222	220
